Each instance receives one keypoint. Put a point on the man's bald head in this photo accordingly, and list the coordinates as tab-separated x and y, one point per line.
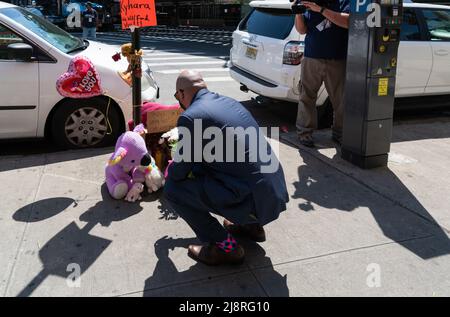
189	79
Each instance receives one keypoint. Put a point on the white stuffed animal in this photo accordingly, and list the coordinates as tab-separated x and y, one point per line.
154	178
171	136
135	193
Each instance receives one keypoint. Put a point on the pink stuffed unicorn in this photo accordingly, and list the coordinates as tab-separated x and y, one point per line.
125	171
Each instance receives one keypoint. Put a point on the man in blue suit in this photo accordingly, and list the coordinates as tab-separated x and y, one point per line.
225	166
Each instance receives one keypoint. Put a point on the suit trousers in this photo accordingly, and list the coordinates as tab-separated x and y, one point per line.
189	200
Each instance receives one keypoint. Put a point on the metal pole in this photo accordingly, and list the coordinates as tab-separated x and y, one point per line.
136	80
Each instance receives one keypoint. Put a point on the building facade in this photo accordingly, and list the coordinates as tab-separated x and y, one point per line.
214	13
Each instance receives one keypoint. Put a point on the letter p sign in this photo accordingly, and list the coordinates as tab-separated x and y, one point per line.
359	6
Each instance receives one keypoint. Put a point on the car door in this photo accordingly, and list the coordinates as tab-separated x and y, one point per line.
414	57
19	90
437	22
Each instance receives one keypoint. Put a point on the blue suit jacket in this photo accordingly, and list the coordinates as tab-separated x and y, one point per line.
234	189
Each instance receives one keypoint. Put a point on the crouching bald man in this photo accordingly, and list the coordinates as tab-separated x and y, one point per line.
235	183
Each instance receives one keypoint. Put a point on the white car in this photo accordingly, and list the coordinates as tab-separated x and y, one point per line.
30	105
267	51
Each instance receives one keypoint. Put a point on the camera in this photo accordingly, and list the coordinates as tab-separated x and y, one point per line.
298	8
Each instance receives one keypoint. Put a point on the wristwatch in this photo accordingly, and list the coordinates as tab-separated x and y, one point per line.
321	10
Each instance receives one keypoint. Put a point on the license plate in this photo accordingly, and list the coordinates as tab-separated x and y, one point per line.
251	52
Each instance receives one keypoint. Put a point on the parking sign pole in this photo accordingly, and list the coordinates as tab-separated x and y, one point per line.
136	14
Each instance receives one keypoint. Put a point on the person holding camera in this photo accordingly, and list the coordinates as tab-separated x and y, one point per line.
325	23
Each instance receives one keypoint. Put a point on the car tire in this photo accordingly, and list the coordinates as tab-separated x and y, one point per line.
83	123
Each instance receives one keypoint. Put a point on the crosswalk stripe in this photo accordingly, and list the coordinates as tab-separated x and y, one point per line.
171	36
150	57
152	39
217	79
149	53
187	63
180	39
202	70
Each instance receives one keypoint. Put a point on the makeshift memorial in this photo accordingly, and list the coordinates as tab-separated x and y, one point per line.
125	171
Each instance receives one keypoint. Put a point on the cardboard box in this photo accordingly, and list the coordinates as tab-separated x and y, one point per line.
160	121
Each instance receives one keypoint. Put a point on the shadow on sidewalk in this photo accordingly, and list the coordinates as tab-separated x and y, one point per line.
26	154
73	247
167	213
166	279
402	220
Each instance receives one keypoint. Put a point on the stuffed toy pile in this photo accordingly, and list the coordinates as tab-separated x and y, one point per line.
130	166
161	151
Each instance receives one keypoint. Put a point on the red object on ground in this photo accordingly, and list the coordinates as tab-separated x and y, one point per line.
284	129
149	107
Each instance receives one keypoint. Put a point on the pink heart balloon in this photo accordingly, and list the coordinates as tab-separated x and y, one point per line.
80	81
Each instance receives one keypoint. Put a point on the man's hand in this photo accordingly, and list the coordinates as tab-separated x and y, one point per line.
311	6
338	18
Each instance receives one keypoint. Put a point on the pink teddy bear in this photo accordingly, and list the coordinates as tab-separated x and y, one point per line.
124	172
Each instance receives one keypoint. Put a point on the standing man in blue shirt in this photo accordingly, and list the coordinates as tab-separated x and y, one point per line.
326	29
89	22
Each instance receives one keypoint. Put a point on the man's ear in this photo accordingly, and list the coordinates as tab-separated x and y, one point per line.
118	156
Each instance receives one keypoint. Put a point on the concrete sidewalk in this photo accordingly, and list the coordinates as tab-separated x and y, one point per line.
343	226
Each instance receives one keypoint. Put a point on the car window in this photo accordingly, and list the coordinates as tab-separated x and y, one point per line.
7	37
43	29
35	11
438	23
410	27
274	23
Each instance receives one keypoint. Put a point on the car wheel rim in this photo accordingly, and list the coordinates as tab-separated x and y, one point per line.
85	127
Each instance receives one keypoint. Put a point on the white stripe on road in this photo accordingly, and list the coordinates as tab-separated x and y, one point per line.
116	38
149	57
216	79
169	53
202	70
179	39
188	63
